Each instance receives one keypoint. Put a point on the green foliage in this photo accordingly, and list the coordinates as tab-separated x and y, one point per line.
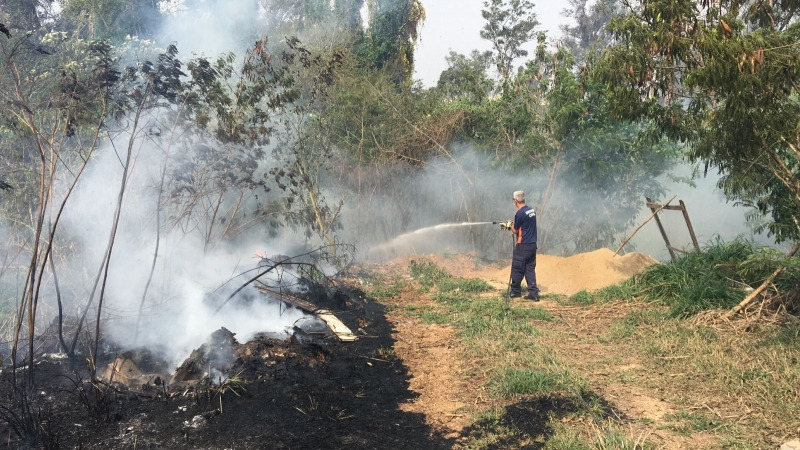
559	120
587	34
466	77
581	298
623	291
373	121
724	81
114	19
509	26
712	278
388	44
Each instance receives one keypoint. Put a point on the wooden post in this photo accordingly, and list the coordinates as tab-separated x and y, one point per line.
689	225
661	229
666	205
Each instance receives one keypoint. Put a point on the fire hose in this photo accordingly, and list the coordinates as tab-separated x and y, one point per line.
508	225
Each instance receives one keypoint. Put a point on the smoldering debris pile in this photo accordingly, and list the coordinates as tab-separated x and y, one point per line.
221	357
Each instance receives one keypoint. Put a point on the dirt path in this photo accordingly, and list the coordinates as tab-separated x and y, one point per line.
448	398
437	375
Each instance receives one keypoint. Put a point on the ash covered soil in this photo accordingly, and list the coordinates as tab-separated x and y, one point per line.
302	392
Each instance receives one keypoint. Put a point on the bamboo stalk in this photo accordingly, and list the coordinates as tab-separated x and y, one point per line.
749	299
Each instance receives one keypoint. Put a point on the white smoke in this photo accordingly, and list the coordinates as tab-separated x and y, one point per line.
383	217
180	310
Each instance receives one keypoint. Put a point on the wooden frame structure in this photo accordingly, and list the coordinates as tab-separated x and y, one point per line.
656	208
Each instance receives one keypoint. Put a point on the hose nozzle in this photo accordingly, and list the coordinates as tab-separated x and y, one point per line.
505	225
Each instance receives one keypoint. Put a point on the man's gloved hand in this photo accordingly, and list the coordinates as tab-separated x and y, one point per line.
507	225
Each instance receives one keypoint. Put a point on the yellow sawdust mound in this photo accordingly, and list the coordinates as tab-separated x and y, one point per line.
585	271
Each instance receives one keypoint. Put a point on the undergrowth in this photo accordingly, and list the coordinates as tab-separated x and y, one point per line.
718	276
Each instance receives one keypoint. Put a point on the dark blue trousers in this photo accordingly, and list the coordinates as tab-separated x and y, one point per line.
523	264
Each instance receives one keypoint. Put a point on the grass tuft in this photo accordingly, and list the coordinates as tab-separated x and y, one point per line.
580	298
514	382
690	423
427	273
386	289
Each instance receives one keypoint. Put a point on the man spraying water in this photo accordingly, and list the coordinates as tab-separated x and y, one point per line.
523	262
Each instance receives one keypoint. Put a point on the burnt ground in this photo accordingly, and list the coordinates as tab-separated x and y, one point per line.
293	393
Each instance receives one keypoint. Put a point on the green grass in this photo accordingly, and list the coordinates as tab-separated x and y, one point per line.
700	280
687	423
567	438
580	298
786	337
386	289
513	348
466	285
612	439
627	326
716	277
515	382
427	273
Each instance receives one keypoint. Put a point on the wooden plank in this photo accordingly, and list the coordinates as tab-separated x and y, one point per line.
655	212
334	324
339	329
668	207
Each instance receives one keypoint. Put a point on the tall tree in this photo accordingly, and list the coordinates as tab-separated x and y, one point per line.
723	79
25	14
467	76
588	31
389	41
509	25
114	19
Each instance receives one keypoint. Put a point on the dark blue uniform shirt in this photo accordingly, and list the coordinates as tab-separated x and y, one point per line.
525	219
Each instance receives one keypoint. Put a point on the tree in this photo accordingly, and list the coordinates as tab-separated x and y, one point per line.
388	43
723	80
588	33
509	25
209	123
297	16
114	19
26	14
467	76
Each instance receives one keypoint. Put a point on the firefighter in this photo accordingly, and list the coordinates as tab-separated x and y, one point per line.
523	262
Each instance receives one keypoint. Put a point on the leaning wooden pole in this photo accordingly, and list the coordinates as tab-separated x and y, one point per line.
644	223
749	299
689	225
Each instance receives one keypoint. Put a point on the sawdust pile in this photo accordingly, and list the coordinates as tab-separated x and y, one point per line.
585	271
554	275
